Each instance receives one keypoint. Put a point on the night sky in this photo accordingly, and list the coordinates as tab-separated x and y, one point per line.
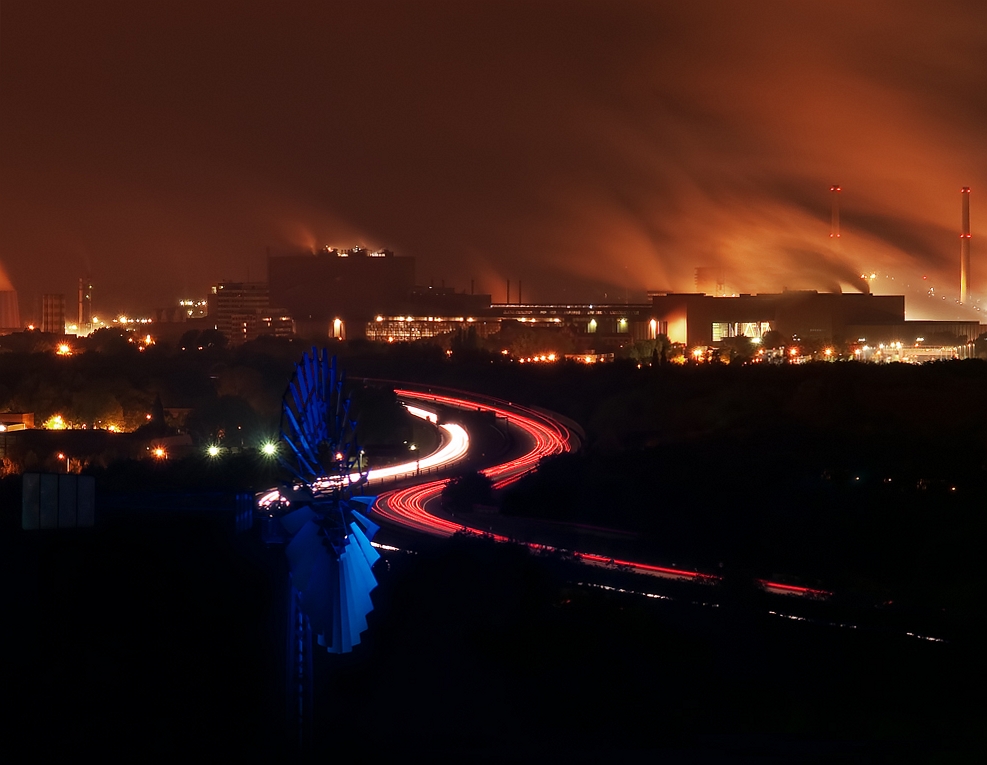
592	149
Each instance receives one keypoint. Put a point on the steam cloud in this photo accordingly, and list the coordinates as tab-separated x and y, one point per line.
583	148
5	283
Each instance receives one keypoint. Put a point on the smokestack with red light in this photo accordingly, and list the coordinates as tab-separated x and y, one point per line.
834	231
965	247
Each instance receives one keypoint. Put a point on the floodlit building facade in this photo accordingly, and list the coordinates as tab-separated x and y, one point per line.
241	311
698	319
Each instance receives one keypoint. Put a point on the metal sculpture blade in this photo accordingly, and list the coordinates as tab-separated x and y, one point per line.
330	552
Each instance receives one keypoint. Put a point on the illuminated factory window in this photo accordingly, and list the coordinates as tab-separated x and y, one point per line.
724	329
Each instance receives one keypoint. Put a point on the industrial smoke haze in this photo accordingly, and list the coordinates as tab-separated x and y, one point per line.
9	312
590	149
5	284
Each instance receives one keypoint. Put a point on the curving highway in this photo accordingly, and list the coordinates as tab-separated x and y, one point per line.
453	447
413	507
409	507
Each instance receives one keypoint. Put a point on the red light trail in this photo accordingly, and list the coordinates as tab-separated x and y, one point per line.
791	589
408	507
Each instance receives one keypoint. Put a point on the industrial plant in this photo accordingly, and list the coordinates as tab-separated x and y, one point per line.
359	293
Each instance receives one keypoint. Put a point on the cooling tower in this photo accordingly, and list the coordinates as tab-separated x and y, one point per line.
10	316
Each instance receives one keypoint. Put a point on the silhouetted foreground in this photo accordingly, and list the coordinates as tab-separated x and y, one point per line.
155	634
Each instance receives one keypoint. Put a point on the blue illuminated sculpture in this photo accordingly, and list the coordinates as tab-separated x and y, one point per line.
330	555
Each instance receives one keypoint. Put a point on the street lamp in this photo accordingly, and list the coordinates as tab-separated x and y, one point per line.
418	459
66	458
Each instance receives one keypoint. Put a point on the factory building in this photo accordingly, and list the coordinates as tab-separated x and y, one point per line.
241	311
607	321
916	332
702	320
699	319
601	326
351	285
360	293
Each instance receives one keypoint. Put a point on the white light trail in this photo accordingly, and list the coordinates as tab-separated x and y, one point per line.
453	447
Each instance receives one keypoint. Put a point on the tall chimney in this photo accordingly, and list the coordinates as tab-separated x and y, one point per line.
965	247
519	292
834	231
508	292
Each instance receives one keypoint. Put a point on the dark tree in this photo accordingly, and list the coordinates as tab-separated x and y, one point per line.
461	493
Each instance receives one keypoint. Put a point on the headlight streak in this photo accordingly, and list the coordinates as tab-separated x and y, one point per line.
453	447
388	548
847	626
407	507
790	589
926	637
651	595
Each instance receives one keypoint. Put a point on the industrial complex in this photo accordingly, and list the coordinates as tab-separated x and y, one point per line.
366	294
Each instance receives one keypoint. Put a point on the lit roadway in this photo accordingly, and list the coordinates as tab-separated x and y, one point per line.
410	507
452	448
414	507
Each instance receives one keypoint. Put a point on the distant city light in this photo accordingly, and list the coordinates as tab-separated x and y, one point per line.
269	448
160	453
538	358
55	422
213	451
64	349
